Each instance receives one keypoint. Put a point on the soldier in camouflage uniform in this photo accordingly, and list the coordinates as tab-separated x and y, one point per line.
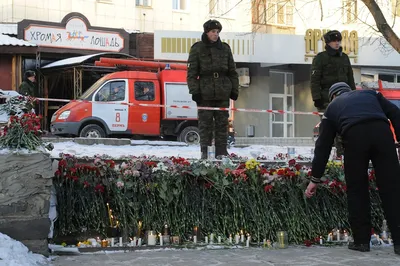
27	87
212	80
329	67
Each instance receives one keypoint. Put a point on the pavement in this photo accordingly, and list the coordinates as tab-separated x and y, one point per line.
307	256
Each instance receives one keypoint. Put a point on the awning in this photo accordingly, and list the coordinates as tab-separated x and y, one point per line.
83	60
6	40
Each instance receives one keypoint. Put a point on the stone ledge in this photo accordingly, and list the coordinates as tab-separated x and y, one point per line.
22	228
37	246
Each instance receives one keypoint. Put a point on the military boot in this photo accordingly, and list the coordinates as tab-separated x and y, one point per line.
221	151
203	150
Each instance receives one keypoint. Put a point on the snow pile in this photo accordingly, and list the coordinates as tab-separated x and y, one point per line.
191	151
14	253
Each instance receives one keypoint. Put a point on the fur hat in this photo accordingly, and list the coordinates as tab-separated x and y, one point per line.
30	73
212	24
332	35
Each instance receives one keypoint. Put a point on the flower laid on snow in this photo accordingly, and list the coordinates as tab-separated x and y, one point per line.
252	164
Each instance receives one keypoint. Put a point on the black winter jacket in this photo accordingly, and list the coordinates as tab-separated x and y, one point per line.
345	111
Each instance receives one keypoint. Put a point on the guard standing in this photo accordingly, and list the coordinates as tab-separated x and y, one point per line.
28	87
329	67
212	80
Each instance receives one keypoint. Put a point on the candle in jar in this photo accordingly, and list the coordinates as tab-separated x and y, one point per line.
161	239
151	239
346	236
131	244
320	240
120	242
230	239
248	240
112	241
211	238
140	242
338	235
219	240
237	238
241	236
134	241
206	239
195	239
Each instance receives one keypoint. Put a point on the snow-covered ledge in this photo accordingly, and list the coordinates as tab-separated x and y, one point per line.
25	187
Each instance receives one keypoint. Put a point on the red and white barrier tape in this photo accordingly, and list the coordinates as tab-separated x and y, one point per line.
188	107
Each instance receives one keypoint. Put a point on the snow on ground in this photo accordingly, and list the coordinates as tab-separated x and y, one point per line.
168	149
14	253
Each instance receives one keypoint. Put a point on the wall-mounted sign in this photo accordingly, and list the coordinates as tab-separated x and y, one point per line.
314	40
74	33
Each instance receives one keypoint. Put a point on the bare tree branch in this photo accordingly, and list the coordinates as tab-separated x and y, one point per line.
382	24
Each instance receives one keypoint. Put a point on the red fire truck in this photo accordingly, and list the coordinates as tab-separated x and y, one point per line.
115	104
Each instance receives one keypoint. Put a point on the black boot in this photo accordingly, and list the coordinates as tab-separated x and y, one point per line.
397	249
203	150
221	151
359	247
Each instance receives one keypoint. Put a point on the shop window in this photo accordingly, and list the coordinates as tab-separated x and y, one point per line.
221	7
143	3
144	91
279	12
111	92
180	4
259	12
387	77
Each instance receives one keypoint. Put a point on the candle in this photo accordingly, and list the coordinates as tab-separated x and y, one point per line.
230	239
139	228
161	239
132	245
346	236
211	238
104	243
237	238
112	241
338	235
248	240
195	239
140	242
329	237
219	240
241	236
320	240
151	239
120	242
109	214
206	239
384	235
134	241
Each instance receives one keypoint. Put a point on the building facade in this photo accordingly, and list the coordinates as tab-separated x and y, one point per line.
273	42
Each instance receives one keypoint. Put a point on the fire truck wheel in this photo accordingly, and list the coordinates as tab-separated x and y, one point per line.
190	135
92	131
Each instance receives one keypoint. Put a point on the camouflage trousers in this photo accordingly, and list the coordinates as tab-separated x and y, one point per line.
213	124
338	143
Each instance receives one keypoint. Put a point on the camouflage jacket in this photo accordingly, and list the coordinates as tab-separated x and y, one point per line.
327	68
27	88
212	71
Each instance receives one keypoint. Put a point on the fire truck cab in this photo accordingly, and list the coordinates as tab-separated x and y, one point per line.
116	104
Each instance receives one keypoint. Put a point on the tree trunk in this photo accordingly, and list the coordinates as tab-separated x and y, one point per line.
382	24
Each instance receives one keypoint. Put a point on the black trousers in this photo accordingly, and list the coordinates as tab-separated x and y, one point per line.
372	140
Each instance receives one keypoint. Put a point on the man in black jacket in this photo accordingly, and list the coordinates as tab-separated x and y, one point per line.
361	118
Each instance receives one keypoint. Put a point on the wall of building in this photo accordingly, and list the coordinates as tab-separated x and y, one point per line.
6	72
